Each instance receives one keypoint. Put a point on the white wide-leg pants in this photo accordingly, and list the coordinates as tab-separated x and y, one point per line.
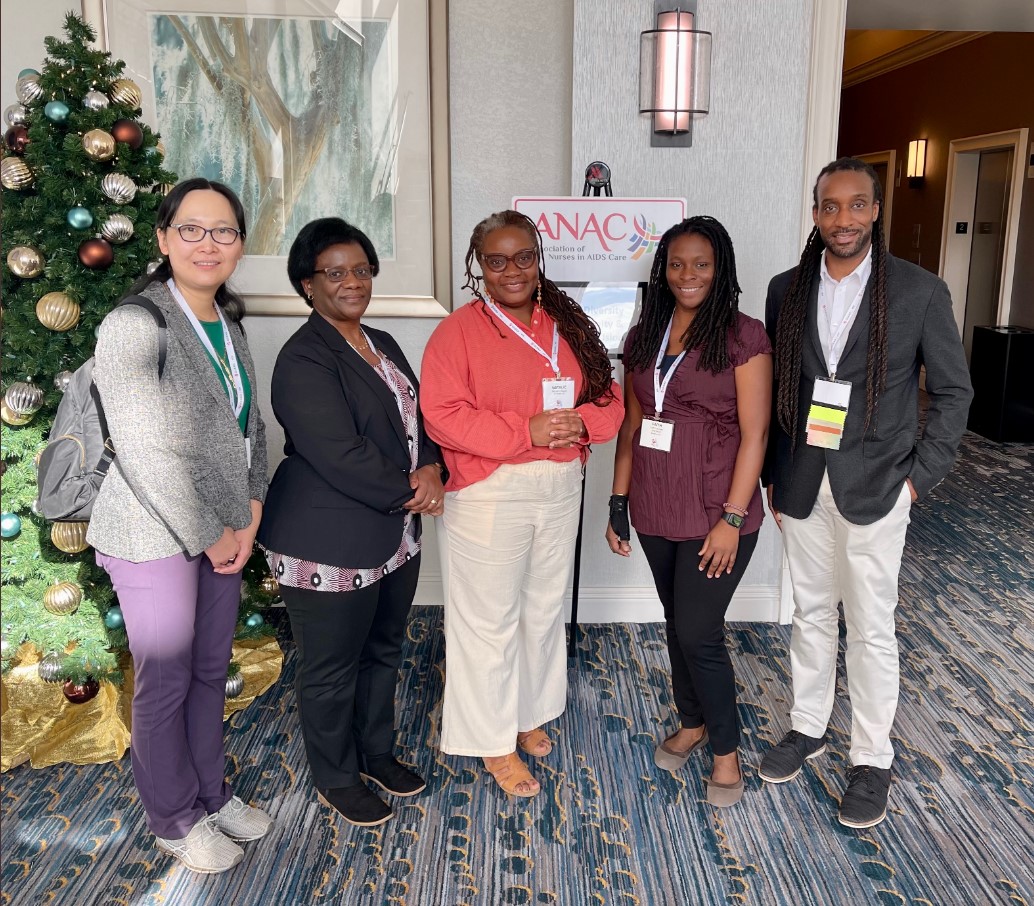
833	560
507	549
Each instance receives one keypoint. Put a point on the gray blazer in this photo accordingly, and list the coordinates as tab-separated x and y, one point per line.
867	473
180	472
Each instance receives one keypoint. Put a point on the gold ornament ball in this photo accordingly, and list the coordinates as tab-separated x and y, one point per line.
99	145
15	174
270	586
63	598
69	537
118	187
126	92
57	311
15	419
25	262
23	398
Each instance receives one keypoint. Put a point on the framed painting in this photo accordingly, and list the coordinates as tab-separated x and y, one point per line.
307	109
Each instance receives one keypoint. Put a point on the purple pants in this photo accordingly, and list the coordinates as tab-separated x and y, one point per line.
180	617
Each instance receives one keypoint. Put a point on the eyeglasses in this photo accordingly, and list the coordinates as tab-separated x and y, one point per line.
524	259
191	232
338	274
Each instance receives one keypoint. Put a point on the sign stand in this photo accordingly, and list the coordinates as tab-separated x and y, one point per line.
597	178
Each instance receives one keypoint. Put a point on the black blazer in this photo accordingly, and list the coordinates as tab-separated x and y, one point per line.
337	498
867	473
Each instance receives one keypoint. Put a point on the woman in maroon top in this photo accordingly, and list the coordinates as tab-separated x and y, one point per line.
698	388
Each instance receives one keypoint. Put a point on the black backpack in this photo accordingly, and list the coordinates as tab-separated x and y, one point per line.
79	453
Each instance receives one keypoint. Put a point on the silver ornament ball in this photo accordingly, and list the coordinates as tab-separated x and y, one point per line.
16	115
95	100
118	228
28	89
62	379
118	187
49	668
234	685
23	398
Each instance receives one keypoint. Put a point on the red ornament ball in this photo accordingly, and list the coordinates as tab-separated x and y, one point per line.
96	253
17	139
80	694
128	132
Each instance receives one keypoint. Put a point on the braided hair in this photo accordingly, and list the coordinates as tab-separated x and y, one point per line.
793	313
717	313
573	324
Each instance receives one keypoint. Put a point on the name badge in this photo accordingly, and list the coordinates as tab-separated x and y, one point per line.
828	412
656	433
557	393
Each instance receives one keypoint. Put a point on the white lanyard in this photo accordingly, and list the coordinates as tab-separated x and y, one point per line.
554	359
836	348
237	400
660	386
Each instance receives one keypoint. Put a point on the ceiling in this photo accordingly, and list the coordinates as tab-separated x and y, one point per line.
941	15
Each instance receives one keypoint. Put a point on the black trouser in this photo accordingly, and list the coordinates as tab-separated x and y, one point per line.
349	650
702	677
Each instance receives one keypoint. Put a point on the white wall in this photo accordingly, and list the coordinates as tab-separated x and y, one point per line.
24	26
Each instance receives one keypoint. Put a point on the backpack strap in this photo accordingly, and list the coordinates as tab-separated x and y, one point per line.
109	450
159	318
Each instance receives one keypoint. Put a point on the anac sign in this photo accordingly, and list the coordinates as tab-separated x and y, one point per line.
601	239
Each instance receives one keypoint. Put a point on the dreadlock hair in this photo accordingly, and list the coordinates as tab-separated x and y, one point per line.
718	312
793	313
574	325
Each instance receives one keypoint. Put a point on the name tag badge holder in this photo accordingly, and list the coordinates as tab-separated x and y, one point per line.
557	393
828	412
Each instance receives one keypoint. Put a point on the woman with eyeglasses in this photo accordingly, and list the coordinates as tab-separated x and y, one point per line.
175	518
517	384
342	524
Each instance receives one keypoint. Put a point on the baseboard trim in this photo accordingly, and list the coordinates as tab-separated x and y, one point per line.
634	604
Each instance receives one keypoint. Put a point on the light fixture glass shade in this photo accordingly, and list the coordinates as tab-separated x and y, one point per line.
916	168
674	72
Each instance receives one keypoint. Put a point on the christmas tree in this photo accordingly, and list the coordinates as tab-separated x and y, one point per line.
82	181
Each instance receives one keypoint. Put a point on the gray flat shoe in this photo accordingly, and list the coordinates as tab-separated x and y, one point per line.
722	795
673	760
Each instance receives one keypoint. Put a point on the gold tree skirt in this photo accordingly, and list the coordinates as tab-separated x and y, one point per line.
41	726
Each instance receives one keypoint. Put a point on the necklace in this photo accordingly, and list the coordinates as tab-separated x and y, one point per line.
360	349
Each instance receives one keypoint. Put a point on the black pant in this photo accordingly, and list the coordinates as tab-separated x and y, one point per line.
702	677
349	650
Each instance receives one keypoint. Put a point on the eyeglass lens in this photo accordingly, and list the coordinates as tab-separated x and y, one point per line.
191	232
337	274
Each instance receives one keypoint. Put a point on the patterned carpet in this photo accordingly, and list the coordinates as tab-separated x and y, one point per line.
609	828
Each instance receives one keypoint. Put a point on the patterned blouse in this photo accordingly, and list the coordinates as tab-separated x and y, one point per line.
296	573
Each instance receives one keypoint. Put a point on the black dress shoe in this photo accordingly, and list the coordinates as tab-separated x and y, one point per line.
358	805
392	776
865	799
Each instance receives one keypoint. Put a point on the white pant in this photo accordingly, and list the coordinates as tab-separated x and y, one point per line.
507	548
833	560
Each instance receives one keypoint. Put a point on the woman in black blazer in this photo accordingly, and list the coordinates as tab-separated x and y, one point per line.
342	520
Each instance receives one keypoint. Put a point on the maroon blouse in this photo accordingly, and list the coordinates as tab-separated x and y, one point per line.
679	495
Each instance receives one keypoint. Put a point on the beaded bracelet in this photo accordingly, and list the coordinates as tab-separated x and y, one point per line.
738	509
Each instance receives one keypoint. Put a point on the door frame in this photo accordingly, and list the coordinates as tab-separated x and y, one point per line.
890	158
959	199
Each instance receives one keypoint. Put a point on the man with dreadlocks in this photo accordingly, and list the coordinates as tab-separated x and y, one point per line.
852	325
517	384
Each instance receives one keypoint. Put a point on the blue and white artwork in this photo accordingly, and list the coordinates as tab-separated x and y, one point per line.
299	116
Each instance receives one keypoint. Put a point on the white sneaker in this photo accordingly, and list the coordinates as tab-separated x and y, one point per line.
205	849
242	822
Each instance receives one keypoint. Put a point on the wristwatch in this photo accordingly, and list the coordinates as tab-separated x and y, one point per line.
734	519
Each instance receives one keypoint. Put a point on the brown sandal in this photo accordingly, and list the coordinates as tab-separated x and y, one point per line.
510	773
535	743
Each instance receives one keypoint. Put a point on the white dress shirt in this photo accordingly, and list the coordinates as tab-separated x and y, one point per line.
838	303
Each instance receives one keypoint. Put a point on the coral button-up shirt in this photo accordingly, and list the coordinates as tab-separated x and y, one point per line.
480	384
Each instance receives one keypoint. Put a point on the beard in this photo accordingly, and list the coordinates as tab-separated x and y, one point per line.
864	237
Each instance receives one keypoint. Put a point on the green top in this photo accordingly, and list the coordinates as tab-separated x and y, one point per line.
214	329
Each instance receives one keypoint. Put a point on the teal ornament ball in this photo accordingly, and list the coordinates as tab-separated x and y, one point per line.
56	111
254	620
10	525
79	218
113	619
25	72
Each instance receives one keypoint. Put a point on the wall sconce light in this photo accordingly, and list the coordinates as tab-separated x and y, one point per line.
674	73
916	167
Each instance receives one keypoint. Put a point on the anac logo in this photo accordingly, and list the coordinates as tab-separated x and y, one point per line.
644	238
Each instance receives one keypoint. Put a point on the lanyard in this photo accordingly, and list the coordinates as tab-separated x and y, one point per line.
554	359
836	347
237	395
660	386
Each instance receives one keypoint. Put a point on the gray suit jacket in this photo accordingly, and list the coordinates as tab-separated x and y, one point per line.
867	473
180	472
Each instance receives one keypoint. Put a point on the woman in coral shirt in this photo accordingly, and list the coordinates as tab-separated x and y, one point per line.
516	385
